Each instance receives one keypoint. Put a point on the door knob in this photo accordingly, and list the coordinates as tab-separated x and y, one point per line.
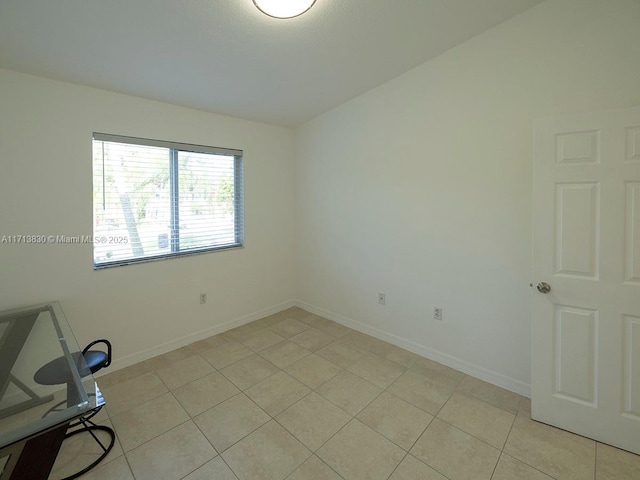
543	287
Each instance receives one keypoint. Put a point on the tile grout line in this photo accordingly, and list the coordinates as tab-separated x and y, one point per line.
495	467
502	452
408	451
312	390
218	454
126	453
355	347
321	460
470	395
529	465
427	427
271	418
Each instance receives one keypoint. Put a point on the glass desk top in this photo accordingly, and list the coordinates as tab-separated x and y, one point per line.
31	338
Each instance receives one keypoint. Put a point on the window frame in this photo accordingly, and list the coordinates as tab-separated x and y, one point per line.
174	240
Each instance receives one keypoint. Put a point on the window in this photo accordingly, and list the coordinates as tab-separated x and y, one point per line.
155	199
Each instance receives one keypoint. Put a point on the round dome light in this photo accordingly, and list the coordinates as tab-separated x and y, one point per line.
283	8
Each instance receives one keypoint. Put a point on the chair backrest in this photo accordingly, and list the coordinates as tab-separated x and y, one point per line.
107	343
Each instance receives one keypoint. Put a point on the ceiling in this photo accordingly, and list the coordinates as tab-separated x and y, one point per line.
227	57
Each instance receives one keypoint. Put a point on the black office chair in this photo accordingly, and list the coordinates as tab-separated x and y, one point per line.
57	372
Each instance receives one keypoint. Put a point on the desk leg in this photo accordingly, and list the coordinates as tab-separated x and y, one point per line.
38	455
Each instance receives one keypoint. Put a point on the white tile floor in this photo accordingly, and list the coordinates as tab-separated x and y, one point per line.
295	396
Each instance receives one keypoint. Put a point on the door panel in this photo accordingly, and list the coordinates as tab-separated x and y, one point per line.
578	147
575	354
633	144
577	229
586	330
632	221
632	366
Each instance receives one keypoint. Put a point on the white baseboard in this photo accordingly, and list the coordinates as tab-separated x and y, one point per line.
128	360
462	365
476	371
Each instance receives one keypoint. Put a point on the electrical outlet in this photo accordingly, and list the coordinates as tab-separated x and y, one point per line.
437	313
203	298
382	299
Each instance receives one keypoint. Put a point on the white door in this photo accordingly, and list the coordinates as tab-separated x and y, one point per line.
586	329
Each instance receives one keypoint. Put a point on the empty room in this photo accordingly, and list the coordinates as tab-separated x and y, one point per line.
320	239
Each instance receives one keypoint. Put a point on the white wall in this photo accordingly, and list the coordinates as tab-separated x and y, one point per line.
46	188
421	188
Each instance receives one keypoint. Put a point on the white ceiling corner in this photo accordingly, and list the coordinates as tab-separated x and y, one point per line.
226	57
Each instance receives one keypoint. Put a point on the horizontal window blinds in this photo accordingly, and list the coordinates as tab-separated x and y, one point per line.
154	199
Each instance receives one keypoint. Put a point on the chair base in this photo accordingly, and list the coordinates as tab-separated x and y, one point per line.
90	427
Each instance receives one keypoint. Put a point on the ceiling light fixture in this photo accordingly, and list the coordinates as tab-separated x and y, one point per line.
283	8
